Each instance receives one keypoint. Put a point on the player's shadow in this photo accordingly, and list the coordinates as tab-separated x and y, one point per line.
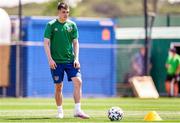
26	119
29	119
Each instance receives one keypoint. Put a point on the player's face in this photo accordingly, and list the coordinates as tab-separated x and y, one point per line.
63	14
142	50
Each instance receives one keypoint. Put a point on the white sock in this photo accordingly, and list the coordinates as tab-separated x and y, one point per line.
60	108
77	107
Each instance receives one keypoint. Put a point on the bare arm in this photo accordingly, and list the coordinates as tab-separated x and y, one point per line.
178	70
52	63
167	66
76	53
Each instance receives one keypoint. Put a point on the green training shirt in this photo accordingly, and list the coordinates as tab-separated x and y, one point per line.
173	62
61	37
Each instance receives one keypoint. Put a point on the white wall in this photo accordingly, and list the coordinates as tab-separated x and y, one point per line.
157	33
5	27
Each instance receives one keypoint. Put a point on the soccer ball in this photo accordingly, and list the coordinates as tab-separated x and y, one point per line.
115	113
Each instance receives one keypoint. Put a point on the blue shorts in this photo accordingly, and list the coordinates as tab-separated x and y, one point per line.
58	73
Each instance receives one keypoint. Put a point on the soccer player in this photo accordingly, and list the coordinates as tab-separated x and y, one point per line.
172	66
62	50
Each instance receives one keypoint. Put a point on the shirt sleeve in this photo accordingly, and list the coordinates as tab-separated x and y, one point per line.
75	34
48	31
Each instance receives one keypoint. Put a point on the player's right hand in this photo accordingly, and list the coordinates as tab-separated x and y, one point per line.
167	65
177	77
52	64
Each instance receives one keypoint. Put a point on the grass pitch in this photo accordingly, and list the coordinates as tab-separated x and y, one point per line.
44	110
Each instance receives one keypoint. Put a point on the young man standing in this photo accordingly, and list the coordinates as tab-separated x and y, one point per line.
62	50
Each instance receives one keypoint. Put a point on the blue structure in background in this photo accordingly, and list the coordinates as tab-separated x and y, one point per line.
97	59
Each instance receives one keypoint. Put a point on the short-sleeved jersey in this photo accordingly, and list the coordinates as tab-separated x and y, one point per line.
174	63
61	37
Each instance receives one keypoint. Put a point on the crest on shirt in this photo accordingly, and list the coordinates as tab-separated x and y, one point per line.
69	28
56	29
56	78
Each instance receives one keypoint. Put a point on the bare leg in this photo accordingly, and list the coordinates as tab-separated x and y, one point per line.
167	85
58	98
77	98
77	89
176	89
58	93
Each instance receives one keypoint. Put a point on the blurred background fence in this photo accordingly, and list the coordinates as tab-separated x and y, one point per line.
138	21
131	39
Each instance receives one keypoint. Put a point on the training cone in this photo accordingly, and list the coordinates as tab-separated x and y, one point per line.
152	116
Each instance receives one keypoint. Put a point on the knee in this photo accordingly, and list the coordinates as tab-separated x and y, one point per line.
78	82
58	88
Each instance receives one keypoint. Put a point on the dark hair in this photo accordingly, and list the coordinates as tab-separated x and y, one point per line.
62	5
173	50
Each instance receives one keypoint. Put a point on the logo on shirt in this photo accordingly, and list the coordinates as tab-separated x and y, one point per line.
69	28
56	78
56	29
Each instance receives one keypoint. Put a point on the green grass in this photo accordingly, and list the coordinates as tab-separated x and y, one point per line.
44	110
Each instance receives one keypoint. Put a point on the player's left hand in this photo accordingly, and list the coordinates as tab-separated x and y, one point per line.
177	77
76	64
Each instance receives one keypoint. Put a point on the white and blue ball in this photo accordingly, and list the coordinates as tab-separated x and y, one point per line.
115	113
